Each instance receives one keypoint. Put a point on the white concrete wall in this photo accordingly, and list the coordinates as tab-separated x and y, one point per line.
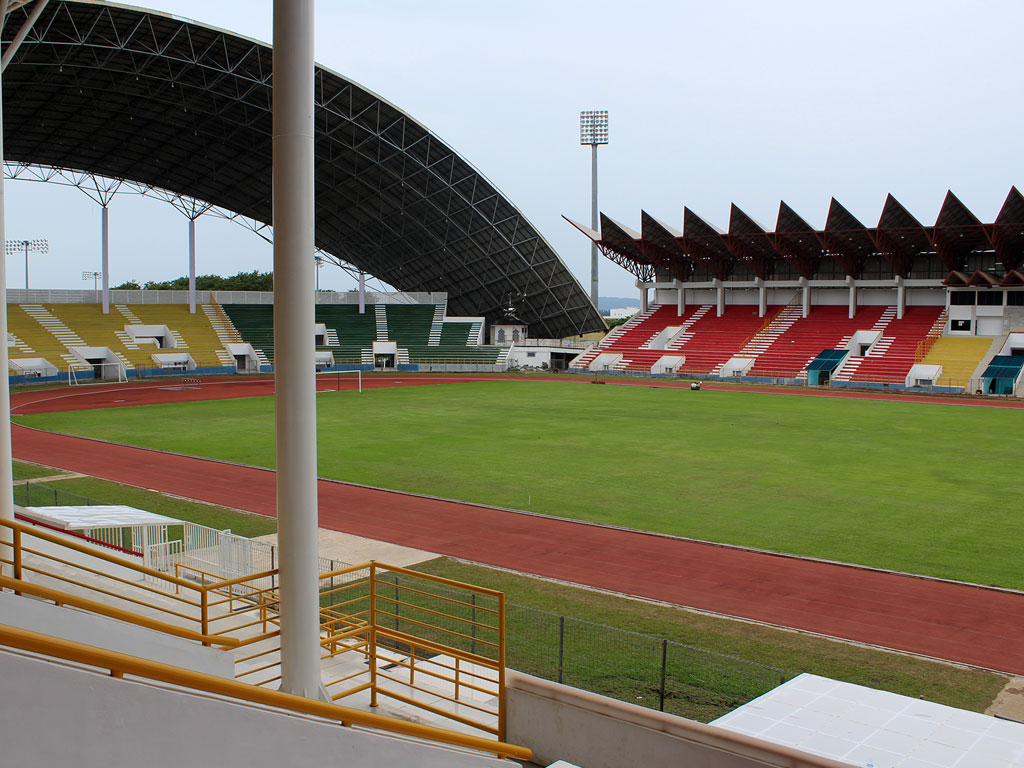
562	723
54	715
521	356
114	635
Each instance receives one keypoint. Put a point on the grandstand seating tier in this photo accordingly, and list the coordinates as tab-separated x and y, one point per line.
959	357
828	327
408	325
893	361
782	344
86	325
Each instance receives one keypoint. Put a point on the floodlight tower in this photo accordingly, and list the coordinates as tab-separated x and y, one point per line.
94	276
593	132
35	246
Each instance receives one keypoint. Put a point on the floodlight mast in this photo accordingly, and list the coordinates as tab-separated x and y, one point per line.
94	276
35	246
593	132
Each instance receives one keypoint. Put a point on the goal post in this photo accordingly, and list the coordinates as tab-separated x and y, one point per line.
76	369
330	381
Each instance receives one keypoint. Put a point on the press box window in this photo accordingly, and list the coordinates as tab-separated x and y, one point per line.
1015	298
962	298
990	298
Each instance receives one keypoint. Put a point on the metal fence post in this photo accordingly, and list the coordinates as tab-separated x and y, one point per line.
664	664
561	645
396	603
472	627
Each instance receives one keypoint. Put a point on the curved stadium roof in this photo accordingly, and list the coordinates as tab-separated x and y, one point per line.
134	94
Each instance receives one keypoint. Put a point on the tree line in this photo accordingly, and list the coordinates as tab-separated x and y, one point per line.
243	281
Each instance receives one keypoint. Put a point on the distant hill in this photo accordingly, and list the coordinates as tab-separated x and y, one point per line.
606	303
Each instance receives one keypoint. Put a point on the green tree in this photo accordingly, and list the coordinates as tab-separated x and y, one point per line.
243	281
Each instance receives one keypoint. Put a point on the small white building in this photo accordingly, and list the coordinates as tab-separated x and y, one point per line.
508	331
621	312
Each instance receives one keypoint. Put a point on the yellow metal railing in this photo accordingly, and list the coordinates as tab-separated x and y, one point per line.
120	664
412	633
406	623
934	334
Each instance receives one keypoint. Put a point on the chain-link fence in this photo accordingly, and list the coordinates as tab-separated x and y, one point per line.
630	666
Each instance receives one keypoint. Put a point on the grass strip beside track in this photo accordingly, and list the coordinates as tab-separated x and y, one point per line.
791	651
25	471
906	486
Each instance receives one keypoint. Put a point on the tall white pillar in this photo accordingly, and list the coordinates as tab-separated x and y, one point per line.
594	259
805	308
192	265
762	297
681	300
362	292
719	298
294	361
643	299
853	296
901	297
105	237
6	451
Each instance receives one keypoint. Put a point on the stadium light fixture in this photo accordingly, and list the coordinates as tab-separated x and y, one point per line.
94	276
39	245
593	133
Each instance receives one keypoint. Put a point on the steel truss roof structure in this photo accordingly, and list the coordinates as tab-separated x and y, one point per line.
905	245
169	104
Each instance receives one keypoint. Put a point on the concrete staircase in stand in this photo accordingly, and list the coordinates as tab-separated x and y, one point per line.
878	349
226	334
768	335
434	339
685	334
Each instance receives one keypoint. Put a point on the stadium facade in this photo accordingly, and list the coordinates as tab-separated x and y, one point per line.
899	262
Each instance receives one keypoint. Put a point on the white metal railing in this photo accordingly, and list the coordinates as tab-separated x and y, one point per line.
223	554
561	343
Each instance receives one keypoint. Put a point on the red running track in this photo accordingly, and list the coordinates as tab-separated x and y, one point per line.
957	622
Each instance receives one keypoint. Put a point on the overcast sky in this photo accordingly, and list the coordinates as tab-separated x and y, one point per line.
710	103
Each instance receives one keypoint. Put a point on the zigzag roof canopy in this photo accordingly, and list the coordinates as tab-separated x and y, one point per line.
899	240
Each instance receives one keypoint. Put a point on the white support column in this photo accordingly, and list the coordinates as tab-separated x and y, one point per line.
643	298
6	452
105	237
901	297
294	363
762	297
362	292
192	265
805	308
594	258
853	296
720	298
681	300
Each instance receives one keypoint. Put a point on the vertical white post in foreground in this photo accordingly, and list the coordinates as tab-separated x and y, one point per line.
105	236
362	292
6	452
294	360
192	265
594	260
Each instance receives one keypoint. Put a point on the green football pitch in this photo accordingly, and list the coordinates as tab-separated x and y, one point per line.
924	488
